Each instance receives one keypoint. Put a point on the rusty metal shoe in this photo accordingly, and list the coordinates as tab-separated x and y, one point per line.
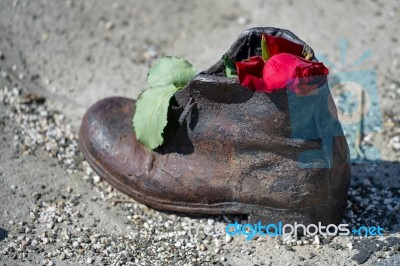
229	150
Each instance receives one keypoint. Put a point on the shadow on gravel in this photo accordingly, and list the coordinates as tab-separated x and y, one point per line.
374	199
3	234
375	195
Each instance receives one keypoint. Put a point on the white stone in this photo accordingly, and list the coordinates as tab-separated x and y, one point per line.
228	238
350	246
96	179
218	243
316	240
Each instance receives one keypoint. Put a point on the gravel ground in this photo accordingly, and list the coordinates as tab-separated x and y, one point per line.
59	57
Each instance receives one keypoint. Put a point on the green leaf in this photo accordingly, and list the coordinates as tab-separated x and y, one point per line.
151	113
171	70
166	77
264	49
230	67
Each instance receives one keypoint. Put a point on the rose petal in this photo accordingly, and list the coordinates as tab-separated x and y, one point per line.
250	73
293	72
277	45
254	83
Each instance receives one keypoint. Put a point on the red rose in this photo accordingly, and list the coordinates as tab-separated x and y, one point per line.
286	68
293	72
250	73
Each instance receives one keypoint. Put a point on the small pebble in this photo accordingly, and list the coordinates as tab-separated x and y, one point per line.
350	246
96	179
203	247
228	238
109	25
218	243
316	240
367	182
146	225
50	225
25	243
